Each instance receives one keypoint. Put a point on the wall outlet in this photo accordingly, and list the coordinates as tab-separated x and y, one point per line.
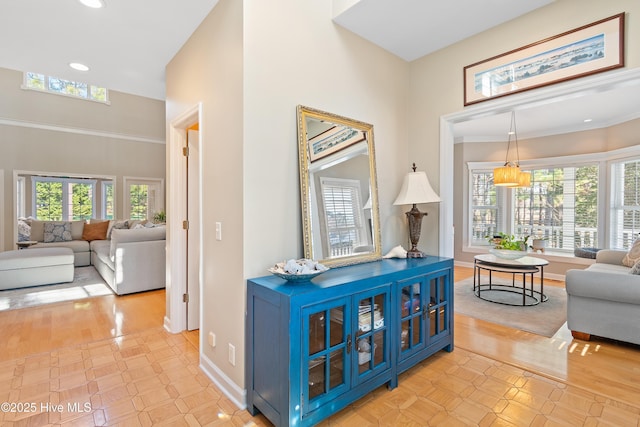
212	339
232	354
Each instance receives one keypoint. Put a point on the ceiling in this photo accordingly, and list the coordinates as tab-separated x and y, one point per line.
128	43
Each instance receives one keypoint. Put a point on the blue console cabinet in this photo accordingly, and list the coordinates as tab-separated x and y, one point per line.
313	348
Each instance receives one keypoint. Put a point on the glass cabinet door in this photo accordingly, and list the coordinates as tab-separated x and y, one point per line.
326	341
438	305
412	316
372	336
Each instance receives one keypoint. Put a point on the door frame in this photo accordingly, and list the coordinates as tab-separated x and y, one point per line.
175	319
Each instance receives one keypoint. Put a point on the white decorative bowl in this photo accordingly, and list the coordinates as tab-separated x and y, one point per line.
507	254
294	277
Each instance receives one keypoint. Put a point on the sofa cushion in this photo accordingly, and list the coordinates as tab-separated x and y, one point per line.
101	248
117	225
633	255
608	268
77	246
35	258
95	231
37	229
137	235
635	269
57	231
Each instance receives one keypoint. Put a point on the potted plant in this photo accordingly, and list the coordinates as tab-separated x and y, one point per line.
509	242
159	217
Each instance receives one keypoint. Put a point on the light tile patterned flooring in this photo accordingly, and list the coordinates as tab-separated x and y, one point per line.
148	377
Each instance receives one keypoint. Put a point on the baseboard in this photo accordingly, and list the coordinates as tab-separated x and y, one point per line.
236	394
552	276
167	324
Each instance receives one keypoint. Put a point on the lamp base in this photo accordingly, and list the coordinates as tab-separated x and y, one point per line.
411	253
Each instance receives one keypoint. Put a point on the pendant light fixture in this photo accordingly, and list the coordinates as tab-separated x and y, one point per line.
510	174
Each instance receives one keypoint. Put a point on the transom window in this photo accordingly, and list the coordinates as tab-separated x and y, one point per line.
42	82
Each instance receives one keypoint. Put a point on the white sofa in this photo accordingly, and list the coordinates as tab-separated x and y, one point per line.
133	260
46	266
604	299
80	248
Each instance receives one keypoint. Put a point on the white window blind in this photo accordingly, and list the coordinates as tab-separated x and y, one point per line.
561	205
344	225
484	208
625	203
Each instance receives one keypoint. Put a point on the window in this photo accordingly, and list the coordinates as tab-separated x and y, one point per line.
344	224
108	200
20	197
561	205
59	86
63	198
484	208
625	203
143	197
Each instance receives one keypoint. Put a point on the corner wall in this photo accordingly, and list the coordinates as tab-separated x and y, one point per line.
250	65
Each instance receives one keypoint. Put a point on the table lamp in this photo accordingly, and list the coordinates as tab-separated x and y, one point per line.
415	189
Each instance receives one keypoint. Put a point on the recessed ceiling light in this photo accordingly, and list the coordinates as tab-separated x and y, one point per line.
96	4
587	120
78	66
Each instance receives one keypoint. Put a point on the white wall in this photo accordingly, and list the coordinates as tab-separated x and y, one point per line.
436	79
250	64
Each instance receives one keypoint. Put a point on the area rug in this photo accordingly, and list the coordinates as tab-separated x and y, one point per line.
87	283
542	319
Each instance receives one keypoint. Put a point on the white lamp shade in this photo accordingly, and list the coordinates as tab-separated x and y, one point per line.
416	189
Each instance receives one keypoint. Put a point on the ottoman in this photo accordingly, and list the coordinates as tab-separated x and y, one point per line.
33	267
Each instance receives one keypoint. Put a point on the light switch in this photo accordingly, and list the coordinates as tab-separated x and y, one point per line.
218	231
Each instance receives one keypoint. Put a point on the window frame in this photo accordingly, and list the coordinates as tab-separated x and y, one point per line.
66	215
158	183
615	203
359	219
103	197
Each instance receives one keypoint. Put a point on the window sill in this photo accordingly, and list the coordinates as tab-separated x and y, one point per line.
548	255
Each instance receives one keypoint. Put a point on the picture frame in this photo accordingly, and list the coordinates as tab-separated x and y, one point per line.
334	139
583	51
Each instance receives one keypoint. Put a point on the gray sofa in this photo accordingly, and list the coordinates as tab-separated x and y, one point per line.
604	299
133	260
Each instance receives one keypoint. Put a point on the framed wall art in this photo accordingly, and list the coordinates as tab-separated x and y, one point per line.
590	49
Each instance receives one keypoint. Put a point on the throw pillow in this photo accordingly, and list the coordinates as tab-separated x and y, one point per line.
633	255
117	225
95	231
635	269
57	232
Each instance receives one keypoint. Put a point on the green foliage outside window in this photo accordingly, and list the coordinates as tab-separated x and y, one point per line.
139	199
49	201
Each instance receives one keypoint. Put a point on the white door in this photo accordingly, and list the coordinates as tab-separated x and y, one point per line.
193	232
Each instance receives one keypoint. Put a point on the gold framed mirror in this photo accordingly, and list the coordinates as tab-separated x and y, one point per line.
338	188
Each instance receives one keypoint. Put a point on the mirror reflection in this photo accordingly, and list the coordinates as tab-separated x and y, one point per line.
338	188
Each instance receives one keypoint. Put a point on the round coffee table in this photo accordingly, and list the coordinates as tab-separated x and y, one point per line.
526	265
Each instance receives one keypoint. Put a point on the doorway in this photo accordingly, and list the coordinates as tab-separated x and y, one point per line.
192	159
184	235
